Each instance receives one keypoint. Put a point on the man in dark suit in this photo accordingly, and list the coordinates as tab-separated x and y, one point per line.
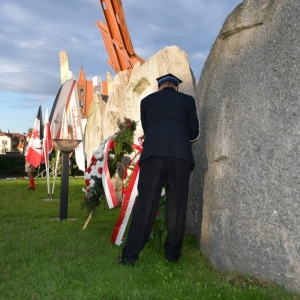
170	123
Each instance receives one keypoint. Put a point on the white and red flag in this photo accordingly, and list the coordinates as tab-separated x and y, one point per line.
56	116
35	149
61	102
47	148
77	127
47	141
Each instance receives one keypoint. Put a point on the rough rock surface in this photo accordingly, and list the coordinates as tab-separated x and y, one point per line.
128	90
115	106
93	131
248	157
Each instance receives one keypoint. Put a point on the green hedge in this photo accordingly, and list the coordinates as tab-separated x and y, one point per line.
15	164
12	164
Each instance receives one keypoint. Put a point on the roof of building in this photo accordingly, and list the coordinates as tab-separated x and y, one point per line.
81	77
12	135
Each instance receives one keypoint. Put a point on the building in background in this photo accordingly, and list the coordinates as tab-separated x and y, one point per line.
11	142
85	93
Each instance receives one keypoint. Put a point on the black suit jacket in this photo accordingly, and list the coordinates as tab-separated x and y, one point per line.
170	123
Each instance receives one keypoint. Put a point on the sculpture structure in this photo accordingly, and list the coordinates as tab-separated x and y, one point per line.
116	37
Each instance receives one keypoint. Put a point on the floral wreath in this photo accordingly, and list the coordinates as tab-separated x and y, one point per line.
120	145
159	229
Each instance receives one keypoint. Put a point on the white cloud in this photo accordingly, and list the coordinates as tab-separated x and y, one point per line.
34	32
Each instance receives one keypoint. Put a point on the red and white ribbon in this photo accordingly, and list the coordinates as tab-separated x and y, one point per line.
110	194
128	198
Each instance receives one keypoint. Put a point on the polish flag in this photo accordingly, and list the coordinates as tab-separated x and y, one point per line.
77	127
35	151
47	141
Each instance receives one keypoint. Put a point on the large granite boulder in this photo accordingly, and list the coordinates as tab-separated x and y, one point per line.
248	156
93	131
114	109
128	90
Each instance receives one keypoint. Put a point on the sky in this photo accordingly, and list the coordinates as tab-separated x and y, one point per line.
32	33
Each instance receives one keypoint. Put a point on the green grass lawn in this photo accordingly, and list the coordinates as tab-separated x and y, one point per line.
43	258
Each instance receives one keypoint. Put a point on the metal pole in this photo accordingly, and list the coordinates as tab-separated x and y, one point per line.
64	188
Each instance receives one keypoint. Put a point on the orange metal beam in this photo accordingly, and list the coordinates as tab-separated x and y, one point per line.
116	37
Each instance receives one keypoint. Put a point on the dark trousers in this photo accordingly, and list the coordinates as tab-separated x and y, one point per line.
154	172
71	165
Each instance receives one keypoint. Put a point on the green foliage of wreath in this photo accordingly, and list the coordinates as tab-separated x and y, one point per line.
123	143
159	230
123	140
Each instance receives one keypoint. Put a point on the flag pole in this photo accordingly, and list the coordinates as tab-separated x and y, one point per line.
47	148
55	171
48	180
87	220
38	171
47	173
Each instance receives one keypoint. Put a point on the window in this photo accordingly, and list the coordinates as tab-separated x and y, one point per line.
81	103
4	143
81	92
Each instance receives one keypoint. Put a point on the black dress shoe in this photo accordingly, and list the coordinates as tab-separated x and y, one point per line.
31	188
126	262
173	259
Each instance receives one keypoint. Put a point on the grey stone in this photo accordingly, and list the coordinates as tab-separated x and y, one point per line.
247	175
94	130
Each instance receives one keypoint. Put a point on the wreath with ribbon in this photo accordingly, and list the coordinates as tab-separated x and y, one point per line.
104	164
